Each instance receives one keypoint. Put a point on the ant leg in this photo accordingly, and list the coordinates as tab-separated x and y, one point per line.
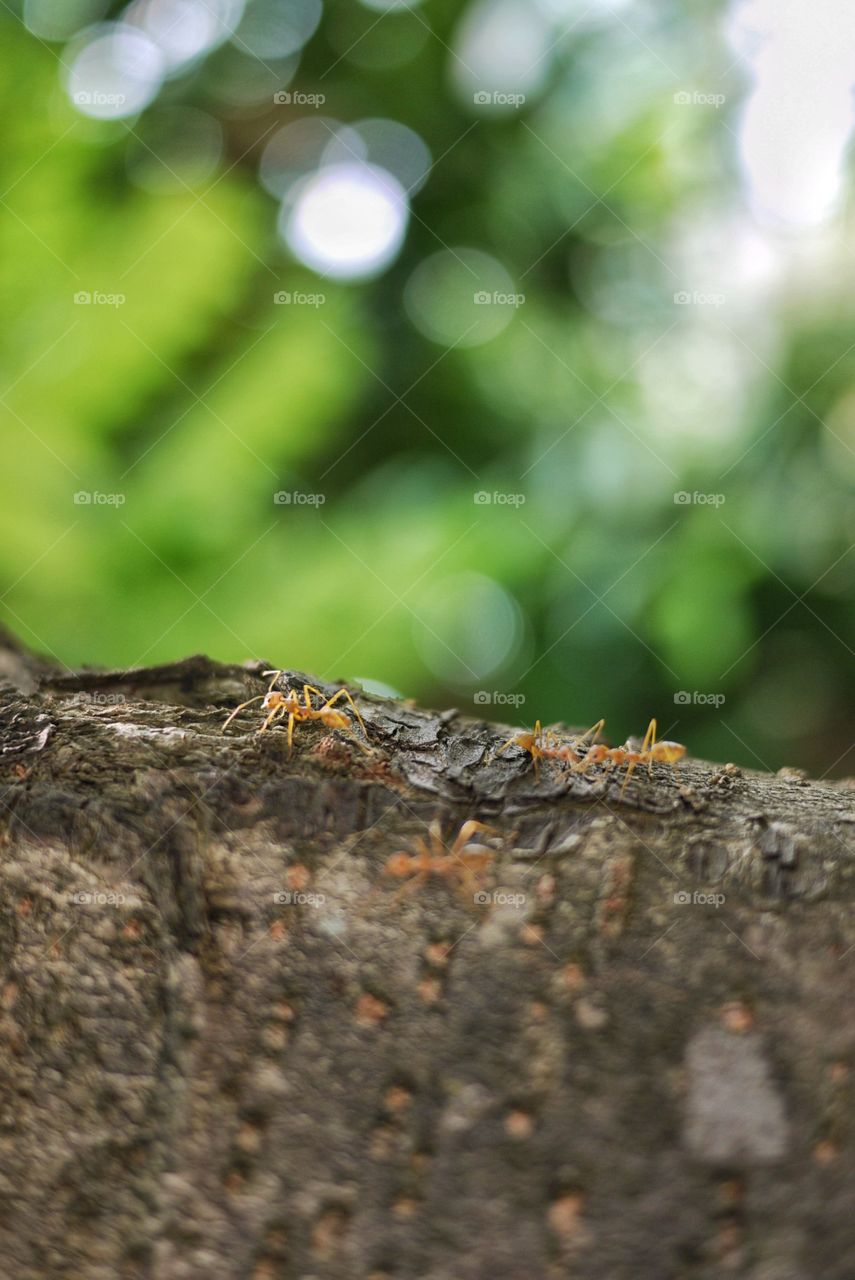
237	710
584	764
629	771
311	713
326	702
550	744
273	683
651	728
538	745
363	746
275	714
423	853
258	698
306	710
424	862
512	740
434	846
593	731
648	745
466	833
650	736
345	693
416	880
354	709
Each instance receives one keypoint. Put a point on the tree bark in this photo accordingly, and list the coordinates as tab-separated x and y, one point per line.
235	1048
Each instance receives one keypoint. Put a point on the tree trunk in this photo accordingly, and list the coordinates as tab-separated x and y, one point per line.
237	1048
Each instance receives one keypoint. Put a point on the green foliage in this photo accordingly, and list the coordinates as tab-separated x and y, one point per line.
197	398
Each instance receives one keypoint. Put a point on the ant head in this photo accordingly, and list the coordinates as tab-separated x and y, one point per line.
597	753
526	741
398	865
273	699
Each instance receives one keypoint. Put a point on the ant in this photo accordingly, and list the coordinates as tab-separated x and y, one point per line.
651	751
545	745
278	705
431	857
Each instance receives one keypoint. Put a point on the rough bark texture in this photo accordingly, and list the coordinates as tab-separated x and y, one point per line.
586	1076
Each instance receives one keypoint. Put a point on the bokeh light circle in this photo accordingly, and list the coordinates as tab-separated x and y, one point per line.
503	50
461	297
298	148
273	29
294	151
390	6
185	30
467	628
115	73
397	149
347	221
242	80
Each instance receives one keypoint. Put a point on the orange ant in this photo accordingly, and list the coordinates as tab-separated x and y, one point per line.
545	745
431	857
651	751
278	705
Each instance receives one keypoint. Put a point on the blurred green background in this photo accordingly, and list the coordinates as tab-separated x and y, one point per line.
537	317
